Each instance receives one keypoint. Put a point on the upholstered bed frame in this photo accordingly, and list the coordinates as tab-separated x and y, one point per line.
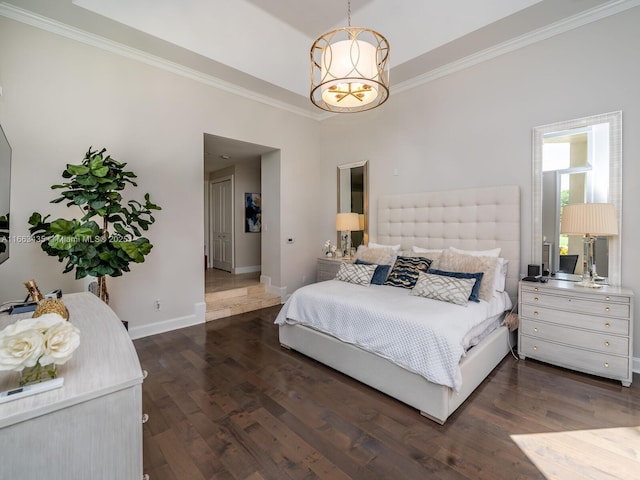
471	219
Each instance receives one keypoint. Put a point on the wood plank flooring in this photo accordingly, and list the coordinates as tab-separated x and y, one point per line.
227	402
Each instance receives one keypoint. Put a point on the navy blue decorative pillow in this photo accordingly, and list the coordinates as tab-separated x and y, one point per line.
474	297
406	270
381	273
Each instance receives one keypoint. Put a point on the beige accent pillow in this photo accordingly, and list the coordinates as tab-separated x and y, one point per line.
377	256
456	262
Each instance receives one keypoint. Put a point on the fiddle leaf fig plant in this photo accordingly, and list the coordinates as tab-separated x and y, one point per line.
108	235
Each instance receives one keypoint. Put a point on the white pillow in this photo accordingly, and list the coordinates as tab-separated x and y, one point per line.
494	252
501	274
395	248
416	249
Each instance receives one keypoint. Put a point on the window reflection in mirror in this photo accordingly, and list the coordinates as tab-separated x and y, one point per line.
353	197
576	161
575	169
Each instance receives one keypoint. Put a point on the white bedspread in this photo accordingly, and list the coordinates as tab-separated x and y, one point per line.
425	336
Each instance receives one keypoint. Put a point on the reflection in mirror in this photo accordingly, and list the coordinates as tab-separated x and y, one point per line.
578	161
5	195
353	197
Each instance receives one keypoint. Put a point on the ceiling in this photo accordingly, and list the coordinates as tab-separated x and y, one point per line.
260	48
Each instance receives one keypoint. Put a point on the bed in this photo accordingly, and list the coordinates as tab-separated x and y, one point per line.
470	219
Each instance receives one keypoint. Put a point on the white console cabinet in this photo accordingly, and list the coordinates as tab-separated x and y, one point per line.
91	427
590	330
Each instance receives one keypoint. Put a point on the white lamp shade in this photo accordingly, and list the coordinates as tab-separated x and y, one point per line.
594	219
347	222
352	63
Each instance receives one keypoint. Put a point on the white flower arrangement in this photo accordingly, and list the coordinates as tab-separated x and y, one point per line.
45	340
328	249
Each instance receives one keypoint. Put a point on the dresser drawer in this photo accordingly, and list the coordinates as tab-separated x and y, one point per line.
574	304
615	326
579	338
583	360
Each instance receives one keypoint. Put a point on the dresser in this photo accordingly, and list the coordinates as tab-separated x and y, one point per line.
328	267
589	330
91	427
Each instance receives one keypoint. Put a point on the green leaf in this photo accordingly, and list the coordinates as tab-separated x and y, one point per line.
63	227
100	172
77	169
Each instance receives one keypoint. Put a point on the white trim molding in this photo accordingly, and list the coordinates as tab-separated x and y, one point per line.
149	329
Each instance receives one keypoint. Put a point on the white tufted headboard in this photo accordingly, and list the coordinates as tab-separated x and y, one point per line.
470	219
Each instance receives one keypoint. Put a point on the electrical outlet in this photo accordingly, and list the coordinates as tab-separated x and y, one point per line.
157	305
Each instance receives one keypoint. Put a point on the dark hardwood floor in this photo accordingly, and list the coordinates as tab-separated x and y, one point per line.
227	402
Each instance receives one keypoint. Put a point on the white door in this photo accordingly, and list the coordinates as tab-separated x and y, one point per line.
221	224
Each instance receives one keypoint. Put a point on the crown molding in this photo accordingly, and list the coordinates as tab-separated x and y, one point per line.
29	18
557	28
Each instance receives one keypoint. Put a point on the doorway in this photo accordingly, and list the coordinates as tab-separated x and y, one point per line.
221	231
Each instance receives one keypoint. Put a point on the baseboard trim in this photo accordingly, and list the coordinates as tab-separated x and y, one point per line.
168	325
249	269
636	365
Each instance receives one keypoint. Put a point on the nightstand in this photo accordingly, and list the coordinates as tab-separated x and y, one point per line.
589	330
329	266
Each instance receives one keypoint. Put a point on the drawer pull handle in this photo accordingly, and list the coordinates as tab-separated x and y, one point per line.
145	418
606	365
607	298
606	344
607	325
535	329
535	299
535	347
145	374
607	309
536	289
536	313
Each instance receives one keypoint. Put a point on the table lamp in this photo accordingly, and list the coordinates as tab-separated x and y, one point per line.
590	220
345	223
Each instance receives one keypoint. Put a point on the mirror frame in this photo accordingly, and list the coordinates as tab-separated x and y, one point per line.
615	183
5	192
365	181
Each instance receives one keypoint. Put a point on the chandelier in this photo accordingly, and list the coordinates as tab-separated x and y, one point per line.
349	69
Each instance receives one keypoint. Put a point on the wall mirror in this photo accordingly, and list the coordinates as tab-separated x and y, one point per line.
576	161
353	197
5	195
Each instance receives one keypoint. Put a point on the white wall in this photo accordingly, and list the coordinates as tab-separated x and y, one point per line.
473	128
247	251
61	96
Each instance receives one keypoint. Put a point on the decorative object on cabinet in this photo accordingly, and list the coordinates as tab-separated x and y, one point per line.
102	388
97	248
590	220
36	346
581	329
345	223
328	249
349	69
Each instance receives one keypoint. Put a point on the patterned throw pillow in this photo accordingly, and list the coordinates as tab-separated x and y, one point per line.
358	274
446	289
473	297
456	262
381	273
406	270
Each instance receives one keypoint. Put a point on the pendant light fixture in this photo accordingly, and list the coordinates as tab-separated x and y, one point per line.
349	69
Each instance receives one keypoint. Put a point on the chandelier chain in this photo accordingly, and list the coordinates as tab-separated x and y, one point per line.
349	13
